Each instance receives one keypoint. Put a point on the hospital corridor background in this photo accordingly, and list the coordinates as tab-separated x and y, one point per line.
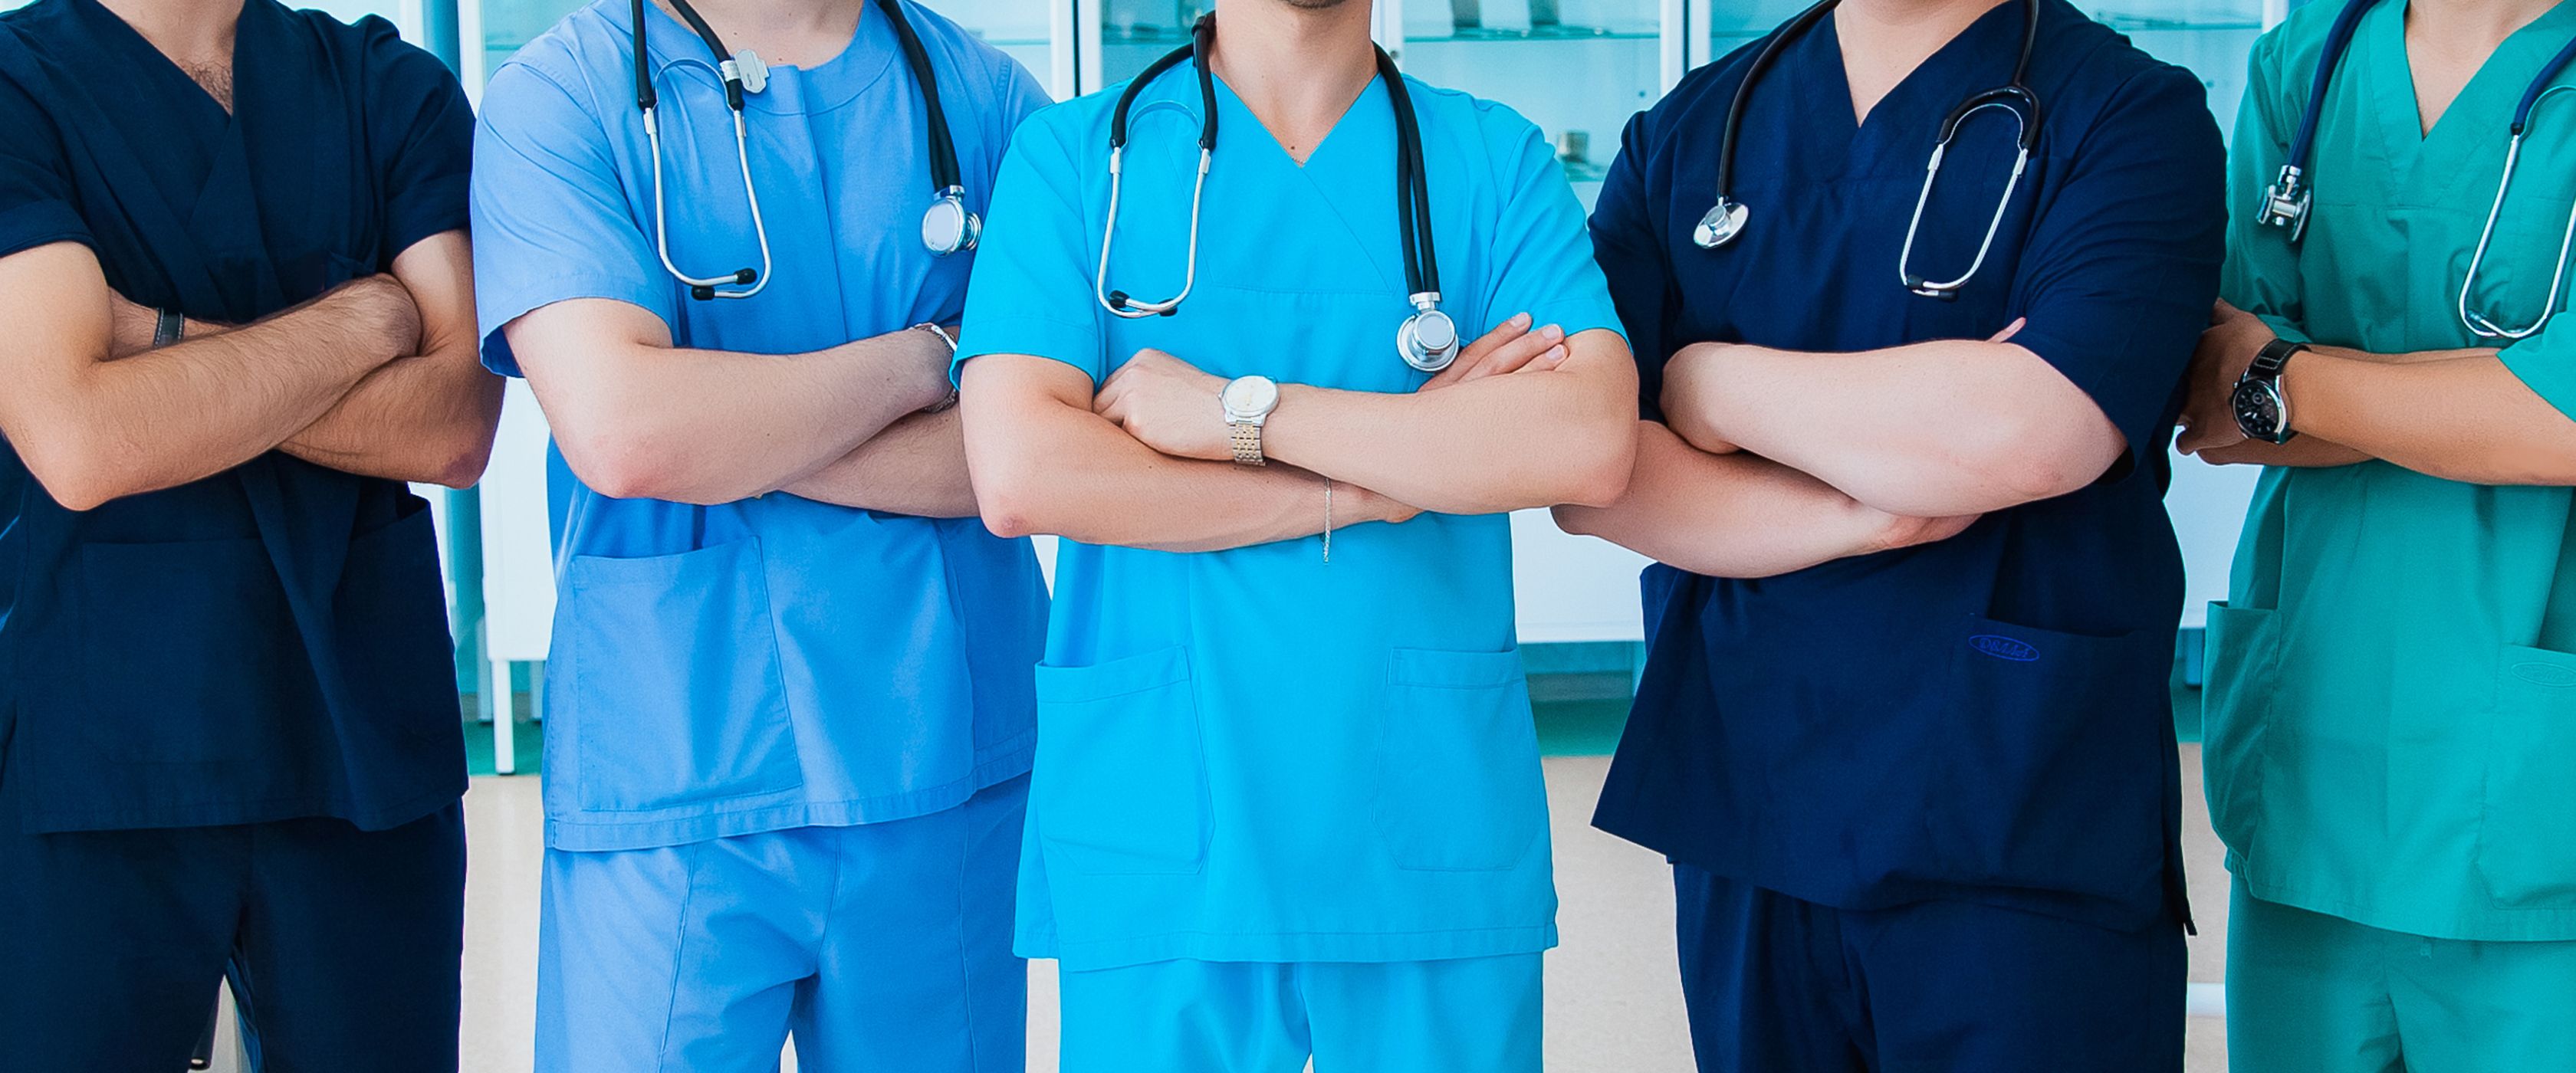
1578	69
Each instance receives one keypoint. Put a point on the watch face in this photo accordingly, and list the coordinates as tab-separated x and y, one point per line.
2258	411
1250	396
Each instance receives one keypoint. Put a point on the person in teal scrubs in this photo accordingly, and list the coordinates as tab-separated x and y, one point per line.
1287	799
2391	693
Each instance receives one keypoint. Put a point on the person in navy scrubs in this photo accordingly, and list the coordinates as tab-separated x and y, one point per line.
235	279
1904	729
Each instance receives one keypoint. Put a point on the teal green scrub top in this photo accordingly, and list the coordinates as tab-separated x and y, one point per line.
2391	690
1253	755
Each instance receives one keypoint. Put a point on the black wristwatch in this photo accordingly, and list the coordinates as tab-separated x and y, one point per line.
2262	410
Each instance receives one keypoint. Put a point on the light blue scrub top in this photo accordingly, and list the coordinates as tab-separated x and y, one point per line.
1251	754
774	662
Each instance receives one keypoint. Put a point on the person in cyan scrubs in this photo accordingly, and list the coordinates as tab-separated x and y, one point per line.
235	279
1287	801
1903	727
788	714
2390	708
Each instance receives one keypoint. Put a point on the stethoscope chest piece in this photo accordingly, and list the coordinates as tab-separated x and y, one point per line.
1723	222
947	226
1427	340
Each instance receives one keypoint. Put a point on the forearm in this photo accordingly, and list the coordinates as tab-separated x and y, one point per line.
2466	419
1731	515
916	466
426	418
639	419
184	412
1049	468
2304	452
1932	429
1532	439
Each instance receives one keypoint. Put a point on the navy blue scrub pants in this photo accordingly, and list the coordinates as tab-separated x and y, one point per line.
1779	985
343	945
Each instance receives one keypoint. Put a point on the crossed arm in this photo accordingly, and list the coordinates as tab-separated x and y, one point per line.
377	376
637	417
2459	415
1772	461
1525	418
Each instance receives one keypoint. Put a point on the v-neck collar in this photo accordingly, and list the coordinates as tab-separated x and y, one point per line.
792	90
112	26
1235	114
2480	111
1908	116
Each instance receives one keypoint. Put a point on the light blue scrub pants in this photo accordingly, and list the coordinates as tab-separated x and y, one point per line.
884	946
1468	1015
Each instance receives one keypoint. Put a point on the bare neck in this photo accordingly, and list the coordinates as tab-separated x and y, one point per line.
1885	40
187	31
2478	25
799	33
1297	68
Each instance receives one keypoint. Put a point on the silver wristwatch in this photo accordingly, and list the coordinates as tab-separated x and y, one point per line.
1248	401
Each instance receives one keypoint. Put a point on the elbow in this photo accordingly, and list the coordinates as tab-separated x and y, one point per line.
461	466
1008	497
1597	472
1574	519
624	465
74	470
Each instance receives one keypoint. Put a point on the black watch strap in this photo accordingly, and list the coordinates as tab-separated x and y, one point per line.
2269	360
167	327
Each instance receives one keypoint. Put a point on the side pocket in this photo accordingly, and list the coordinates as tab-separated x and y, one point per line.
188	653
1120	780
679	698
2527	841
398	661
1459	788
2238	680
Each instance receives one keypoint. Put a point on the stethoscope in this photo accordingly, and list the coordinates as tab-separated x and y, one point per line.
946	227
1427	340
1726	219
2286	202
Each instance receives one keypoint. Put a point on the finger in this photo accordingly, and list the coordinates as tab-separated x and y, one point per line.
1519	353
1550	359
1512	327
2010	330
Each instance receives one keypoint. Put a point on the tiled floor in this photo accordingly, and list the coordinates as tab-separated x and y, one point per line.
1613	999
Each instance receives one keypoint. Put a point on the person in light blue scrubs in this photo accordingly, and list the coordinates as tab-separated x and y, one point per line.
1287	802
789	709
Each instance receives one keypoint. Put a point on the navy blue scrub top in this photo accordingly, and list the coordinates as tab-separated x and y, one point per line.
269	642
1984	718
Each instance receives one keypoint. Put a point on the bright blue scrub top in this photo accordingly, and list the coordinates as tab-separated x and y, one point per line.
1984	718
774	662
1252	755
269	642
2391	701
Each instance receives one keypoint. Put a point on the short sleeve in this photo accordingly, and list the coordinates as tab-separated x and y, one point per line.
421	134
36	206
2262	275
1625	243
1541	254
1032	288
2122	267
551	218
2546	363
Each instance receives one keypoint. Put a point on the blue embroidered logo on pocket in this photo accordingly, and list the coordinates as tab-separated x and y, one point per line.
2546	674
2004	648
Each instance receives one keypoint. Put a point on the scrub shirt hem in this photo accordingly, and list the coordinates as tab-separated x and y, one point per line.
2494	924
1291	947
223	812
588	832
2081	907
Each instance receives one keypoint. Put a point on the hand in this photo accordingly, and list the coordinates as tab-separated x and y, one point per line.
385	311
1681	377
1353	504
2226	349
1511	347
1895	531
1168	405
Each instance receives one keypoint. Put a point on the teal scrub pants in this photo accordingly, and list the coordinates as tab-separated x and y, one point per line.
1467	1015
2312	993
883	946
